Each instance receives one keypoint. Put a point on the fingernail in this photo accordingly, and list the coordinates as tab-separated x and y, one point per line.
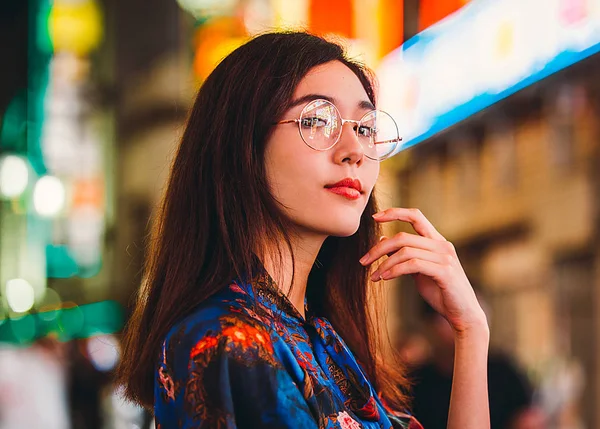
364	259
378	215
383	237
375	276
386	275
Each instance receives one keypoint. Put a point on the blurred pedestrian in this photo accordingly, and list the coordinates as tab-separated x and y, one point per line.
510	393
86	384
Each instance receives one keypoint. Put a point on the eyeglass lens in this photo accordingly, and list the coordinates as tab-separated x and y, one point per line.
321	126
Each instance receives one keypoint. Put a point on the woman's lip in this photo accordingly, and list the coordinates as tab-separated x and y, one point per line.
350	193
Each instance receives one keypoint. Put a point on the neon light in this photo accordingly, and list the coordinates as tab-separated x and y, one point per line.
485	52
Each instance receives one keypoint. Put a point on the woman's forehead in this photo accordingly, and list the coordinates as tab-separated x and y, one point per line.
336	82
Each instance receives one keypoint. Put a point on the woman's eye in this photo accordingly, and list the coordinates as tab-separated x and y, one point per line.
314	122
366	131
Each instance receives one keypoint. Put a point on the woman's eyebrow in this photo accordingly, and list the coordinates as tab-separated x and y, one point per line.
364	104
311	97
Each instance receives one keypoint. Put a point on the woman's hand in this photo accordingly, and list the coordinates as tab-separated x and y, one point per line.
434	264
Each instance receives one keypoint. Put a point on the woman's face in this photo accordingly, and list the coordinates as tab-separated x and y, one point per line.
302	179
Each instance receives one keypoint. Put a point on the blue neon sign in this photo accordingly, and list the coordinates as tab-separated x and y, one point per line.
483	53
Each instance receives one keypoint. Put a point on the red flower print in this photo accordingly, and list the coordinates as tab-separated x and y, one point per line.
248	336
369	410
234	287
166	383
347	422
203	345
260	338
304	360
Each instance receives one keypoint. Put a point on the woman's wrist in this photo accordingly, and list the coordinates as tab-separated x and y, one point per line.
478	330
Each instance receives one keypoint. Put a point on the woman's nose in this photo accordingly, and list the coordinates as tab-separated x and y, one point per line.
349	148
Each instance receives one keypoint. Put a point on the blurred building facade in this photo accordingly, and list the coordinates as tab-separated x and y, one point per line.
500	107
517	190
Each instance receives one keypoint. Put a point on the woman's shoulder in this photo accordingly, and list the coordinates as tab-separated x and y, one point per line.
224	320
214	343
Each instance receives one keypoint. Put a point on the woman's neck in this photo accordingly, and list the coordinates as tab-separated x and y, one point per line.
305	249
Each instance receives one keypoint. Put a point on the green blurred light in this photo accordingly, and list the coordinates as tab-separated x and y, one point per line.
24	329
104	317
89	271
38	59
43	39
3	315
71	322
48	316
60	263
13	130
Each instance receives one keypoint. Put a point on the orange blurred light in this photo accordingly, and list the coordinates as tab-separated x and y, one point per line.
332	16
432	11
88	192
391	25
214	41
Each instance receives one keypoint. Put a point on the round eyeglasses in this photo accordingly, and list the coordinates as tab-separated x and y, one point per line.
320	125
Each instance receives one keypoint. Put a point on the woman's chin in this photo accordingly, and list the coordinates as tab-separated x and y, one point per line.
345	230
334	226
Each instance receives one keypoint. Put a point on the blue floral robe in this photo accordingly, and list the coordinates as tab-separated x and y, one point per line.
247	359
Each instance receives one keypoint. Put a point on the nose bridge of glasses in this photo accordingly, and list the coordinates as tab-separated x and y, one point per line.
350	121
354	123
357	144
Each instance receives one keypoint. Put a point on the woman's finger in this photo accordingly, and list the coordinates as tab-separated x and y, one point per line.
383	237
406	254
402	239
417	266
419	222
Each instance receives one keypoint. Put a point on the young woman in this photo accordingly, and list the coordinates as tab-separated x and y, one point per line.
256	305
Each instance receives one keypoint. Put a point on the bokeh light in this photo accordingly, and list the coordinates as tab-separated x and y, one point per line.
19	295
14	176
200	8
49	196
49	302
75	26
23	329
71	321
3	313
104	352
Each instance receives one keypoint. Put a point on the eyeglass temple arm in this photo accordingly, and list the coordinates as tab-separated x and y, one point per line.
396	140
288	121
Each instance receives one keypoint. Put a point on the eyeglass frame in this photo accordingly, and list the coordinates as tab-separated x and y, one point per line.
344	121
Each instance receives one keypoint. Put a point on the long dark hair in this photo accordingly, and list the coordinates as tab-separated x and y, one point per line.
218	212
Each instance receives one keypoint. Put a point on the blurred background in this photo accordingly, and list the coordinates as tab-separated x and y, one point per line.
499	105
